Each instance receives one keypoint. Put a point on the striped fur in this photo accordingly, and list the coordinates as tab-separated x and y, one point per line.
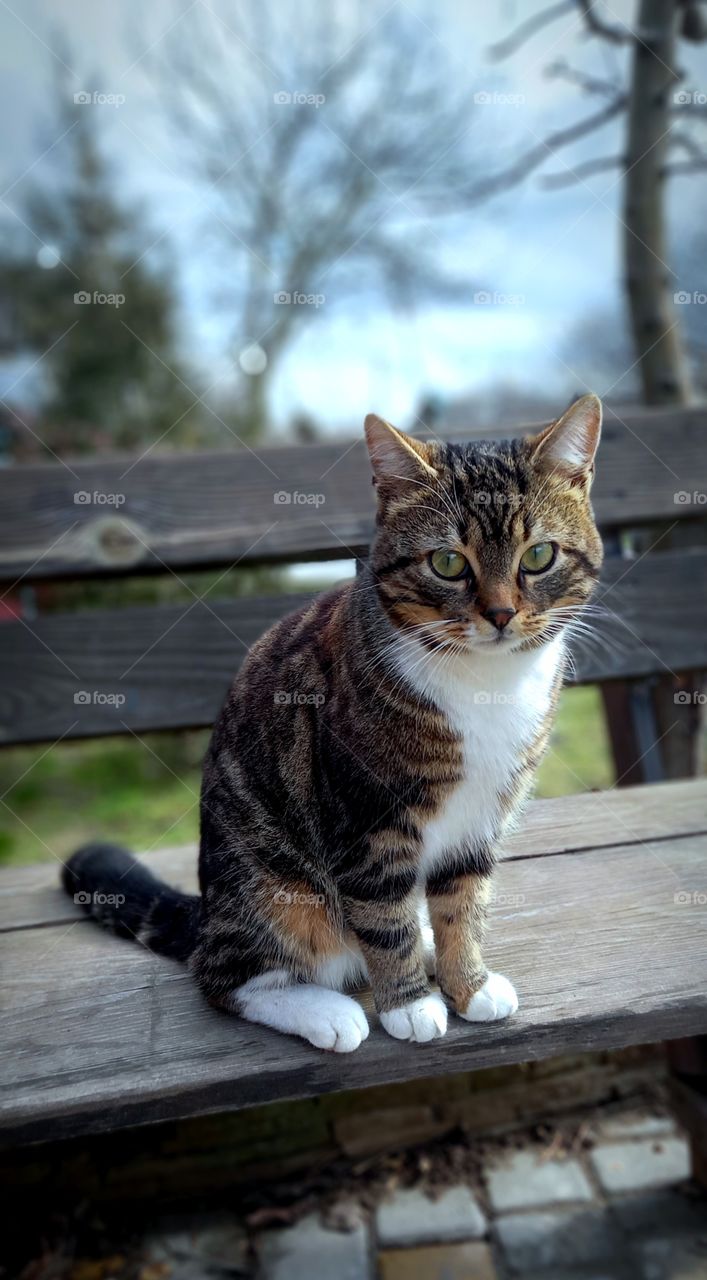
376	744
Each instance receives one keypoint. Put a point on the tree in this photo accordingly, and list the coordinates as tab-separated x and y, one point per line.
662	124
97	317
317	155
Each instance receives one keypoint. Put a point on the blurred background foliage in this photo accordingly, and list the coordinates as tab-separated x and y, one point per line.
449	193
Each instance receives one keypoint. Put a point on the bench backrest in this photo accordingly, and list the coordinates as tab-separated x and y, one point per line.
159	666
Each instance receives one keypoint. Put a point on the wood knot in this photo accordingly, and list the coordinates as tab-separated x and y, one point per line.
117	541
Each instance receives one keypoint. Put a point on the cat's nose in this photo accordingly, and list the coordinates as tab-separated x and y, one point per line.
500	616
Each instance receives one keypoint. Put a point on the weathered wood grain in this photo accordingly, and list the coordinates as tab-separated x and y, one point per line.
169	666
30	896
608	948
208	509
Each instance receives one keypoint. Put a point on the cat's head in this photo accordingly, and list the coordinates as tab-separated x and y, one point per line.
486	543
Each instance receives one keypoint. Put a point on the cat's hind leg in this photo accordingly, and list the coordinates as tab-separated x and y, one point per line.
327	1019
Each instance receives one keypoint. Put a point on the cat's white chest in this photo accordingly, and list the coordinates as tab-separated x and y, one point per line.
497	704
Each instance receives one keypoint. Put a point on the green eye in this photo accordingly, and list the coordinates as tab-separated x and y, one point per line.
538	558
449	564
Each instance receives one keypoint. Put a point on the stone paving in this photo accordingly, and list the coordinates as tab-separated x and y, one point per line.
610	1212
615	1206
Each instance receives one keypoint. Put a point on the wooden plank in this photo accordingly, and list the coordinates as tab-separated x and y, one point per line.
30	897
168	666
195	510
607	948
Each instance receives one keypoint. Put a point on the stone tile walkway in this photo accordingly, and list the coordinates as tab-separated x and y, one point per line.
614	1207
602	1196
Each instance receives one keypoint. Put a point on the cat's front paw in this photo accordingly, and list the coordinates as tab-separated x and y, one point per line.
495	1000
420	1020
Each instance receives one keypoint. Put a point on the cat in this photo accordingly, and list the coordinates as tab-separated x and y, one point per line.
376	745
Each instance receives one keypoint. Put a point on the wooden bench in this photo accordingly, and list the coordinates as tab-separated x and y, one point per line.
600	914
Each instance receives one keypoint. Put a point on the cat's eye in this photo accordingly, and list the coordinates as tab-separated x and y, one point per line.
538	558
449	564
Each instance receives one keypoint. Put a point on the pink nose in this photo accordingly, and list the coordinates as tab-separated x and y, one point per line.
500	616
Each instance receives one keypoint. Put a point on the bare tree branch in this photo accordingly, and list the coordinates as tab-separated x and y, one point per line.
568	178
536	156
690	145
561	70
529	28
600	27
680	167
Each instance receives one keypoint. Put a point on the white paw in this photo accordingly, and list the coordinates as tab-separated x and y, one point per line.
339	1027
495	1000
327	1019
421	1020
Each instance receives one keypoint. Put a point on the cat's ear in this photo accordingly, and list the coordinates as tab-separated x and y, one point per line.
396	458
567	447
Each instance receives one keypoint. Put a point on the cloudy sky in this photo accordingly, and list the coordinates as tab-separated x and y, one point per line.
550	258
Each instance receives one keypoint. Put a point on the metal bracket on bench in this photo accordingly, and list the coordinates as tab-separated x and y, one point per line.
645	729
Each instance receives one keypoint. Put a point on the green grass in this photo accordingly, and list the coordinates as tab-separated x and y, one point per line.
579	757
144	793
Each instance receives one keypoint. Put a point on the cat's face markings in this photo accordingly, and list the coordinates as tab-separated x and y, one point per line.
517	512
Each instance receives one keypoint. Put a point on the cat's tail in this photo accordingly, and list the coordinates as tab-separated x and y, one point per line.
124	896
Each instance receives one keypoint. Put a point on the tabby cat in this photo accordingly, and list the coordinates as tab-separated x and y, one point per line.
376	745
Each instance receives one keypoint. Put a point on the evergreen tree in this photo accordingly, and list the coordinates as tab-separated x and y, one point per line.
100	315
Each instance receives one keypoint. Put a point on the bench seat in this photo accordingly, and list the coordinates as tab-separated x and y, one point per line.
600	918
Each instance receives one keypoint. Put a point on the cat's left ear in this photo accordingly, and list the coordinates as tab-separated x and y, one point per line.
396	458
567	447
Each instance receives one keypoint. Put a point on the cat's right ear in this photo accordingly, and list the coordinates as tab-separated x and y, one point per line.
397	459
